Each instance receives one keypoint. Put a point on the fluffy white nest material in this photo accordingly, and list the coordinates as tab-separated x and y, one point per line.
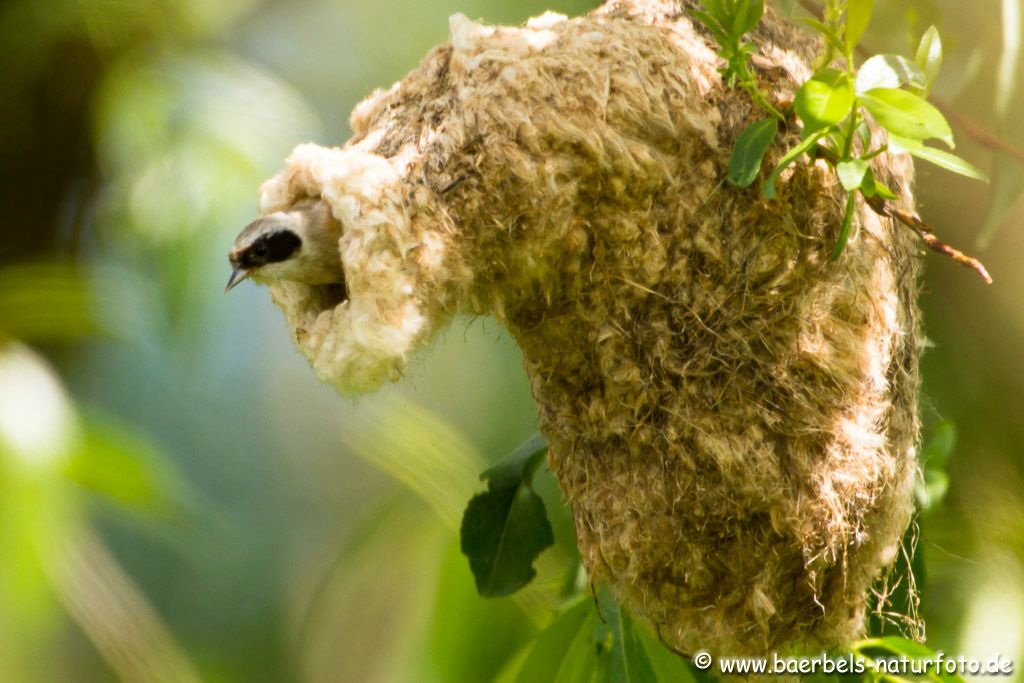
732	417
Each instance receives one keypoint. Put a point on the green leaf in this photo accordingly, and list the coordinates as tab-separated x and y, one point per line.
950	162
749	150
900	145
668	667
888	71
458	643
867	184
716	8
768	186
846	227
880	189
505	528
712	24
858	16
564	649
503	532
929	57
907	115
893	645
619	652
946	160
851	173
825	99
519	464
747	14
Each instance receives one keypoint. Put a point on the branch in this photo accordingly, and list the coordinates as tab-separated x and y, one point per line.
927	233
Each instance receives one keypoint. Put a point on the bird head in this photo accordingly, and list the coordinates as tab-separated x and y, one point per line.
298	244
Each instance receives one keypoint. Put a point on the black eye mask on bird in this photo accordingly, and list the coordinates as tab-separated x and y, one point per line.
300	245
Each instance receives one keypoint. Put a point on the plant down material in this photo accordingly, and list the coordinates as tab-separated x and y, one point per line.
731	416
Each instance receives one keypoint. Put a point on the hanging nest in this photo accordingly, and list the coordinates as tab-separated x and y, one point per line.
732	417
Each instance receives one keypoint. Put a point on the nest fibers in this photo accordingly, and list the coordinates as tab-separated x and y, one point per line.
731	417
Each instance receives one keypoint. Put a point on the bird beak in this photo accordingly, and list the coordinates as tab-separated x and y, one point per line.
237	275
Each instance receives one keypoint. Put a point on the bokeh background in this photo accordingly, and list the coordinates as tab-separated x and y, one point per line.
181	500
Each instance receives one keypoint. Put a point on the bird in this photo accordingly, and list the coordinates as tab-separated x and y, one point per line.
299	244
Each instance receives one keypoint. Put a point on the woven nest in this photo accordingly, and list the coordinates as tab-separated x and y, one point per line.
732	417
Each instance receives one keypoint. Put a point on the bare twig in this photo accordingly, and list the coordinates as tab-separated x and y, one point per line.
927	234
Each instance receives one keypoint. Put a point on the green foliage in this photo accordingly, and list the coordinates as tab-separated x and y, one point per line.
825	99
190	110
858	16
888	71
561	651
503	531
600	643
929	57
905	114
938	157
832	104
750	148
846	227
620	656
505	528
729	21
853	174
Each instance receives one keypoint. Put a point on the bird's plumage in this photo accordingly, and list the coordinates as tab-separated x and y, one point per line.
299	244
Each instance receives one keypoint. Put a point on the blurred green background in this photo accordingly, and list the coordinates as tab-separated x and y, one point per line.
181	500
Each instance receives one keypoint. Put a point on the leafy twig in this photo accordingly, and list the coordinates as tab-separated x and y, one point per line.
912	220
969	127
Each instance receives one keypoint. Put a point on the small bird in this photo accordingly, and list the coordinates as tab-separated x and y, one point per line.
299	244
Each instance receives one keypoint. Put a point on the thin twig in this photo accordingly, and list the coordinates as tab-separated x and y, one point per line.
927	234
